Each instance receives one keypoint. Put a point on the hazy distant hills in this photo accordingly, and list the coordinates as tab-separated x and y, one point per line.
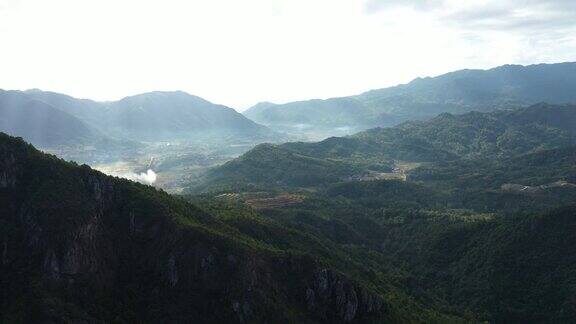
164	116
179	115
508	86
43	124
156	116
447	137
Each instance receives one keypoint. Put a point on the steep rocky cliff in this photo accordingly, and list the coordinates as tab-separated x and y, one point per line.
77	246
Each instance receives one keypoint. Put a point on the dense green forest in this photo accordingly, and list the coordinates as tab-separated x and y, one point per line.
470	213
79	246
288	162
468	138
462	218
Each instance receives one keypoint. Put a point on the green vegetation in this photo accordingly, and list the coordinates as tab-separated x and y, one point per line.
469	139
79	246
538	181
282	168
480	266
480	228
461	218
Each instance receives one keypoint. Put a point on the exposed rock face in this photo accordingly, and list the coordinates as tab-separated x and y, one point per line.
335	298
98	245
8	170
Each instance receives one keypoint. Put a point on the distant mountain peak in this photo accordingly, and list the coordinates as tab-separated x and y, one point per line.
150	116
33	90
506	87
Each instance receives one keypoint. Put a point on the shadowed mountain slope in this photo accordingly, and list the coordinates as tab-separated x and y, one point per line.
79	246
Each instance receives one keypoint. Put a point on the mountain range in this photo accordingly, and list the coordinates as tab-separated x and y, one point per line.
447	137
156	116
42	124
504	87
463	214
164	116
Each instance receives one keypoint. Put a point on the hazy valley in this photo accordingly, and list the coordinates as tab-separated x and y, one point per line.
172	133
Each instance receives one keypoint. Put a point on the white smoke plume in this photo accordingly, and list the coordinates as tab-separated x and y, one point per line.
149	177
123	170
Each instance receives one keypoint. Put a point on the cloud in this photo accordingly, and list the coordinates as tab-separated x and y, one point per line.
515	16
6	5
373	43
379	5
484	33
499	15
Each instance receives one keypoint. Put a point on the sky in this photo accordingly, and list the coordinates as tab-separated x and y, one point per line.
238	53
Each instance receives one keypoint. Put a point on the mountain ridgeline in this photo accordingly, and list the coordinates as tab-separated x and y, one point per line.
154	116
504	87
43	124
447	137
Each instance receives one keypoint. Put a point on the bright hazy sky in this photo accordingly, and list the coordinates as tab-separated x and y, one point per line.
240	52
